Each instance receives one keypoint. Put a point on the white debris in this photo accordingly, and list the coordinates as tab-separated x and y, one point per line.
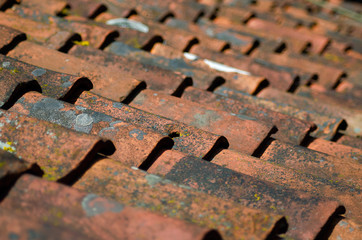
224	68
128	23
190	56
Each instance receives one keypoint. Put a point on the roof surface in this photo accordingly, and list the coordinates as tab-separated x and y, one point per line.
180	119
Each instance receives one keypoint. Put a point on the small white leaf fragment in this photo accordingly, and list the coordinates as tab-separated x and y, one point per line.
224	68
215	65
128	23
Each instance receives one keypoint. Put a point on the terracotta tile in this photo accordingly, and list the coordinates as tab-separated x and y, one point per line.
278	78
297	45
234	15
10	164
52	84
350	141
355	55
52	7
349	89
9	38
238	42
327	126
91	215
186	138
233	79
292	179
86	8
244	134
290	129
327	76
336	149
315	163
322	26
108	82
319	42
138	189
236	38
337	47
134	144
273	14
13	88
36	31
346	229
339	60
158	10
48	145
11	168
189	10
247	191
238	73
156	78
343	40
352	116
263	6
18	226
201	78
91	34
222	24
179	38
330	97
123	9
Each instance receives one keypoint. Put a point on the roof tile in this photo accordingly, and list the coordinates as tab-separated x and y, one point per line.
11	222
290	129
36	31
167	87
48	145
91	215
248	191
186	138
313	162
239	127
51	83
9	38
352	116
137	188
105	81
327	126
156	78
134	144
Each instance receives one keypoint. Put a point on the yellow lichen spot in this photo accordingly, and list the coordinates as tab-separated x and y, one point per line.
50	173
59	214
81	43
332	57
65	12
7	147
332	181
257	197
134	43
184	134
14	71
